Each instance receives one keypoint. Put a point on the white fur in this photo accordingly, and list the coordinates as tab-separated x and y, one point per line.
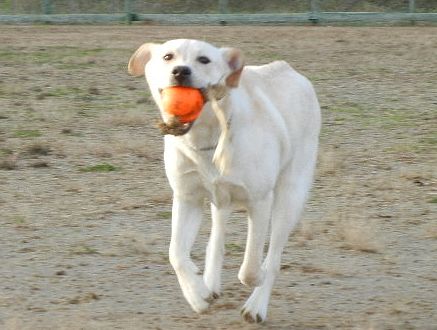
263	163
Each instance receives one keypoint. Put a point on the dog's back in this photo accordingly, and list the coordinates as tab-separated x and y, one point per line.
283	100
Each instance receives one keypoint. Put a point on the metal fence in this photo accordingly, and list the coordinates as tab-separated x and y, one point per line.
219	11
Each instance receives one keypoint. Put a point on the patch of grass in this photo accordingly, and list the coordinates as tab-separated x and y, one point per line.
71	132
85	298
359	236
433	200
40	164
402	148
348	108
38	148
51	54
5	152
234	248
73	92
431	232
19	220
164	198
331	161
9	163
104	167
164	214
84	249
27	133
133	119
8	55
429	140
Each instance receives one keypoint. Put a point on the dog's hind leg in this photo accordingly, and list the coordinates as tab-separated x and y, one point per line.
186	218
290	196
215	250
251	271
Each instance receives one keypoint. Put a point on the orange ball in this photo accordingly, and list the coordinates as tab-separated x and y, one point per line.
184	102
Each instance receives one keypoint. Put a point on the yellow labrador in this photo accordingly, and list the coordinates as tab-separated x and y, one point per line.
253	146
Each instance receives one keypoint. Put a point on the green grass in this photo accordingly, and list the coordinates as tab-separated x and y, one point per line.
104	167
5	152
429	140
84	249
197	6
19	220
27	133
164	214
234	248
433	200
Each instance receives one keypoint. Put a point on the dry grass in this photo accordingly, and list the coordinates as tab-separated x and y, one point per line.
431	231
330	161
353	232
137	241
305	233
132	119
9	162
38	148
164	198
358	235
130	242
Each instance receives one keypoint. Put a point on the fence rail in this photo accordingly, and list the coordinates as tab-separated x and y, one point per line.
129	12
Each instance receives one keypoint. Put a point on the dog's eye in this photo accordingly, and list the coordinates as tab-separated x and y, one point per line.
168	57
203	59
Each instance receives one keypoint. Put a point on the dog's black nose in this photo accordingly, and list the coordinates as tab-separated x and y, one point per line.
180	73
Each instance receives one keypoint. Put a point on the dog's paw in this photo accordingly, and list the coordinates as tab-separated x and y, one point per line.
198	303
201	305
212	297
251	278
198	295
213	284
255	308
250	318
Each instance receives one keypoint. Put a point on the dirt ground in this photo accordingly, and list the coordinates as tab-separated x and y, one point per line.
85	206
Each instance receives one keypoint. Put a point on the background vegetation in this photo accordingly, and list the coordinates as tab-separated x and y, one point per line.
210	6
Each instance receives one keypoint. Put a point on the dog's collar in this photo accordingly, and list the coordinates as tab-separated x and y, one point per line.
208	148
203	149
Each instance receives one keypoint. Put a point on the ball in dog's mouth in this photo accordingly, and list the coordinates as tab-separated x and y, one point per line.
183	102
184	105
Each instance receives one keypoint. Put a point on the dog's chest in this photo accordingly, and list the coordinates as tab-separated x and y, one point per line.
223	190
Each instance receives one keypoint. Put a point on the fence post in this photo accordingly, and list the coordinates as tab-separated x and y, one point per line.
314	11
46	7
223	6
130	16
412	6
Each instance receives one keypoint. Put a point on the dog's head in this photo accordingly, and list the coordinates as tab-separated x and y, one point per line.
185	62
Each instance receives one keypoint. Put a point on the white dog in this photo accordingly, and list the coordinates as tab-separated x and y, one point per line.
253	146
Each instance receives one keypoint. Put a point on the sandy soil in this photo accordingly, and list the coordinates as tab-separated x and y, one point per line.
85	206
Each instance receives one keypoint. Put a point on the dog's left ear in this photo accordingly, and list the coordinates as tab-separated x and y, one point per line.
235	60
139	59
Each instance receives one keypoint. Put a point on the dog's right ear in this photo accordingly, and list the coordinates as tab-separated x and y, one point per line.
140	58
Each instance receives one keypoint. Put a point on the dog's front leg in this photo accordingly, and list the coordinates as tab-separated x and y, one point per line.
215	250
186	218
